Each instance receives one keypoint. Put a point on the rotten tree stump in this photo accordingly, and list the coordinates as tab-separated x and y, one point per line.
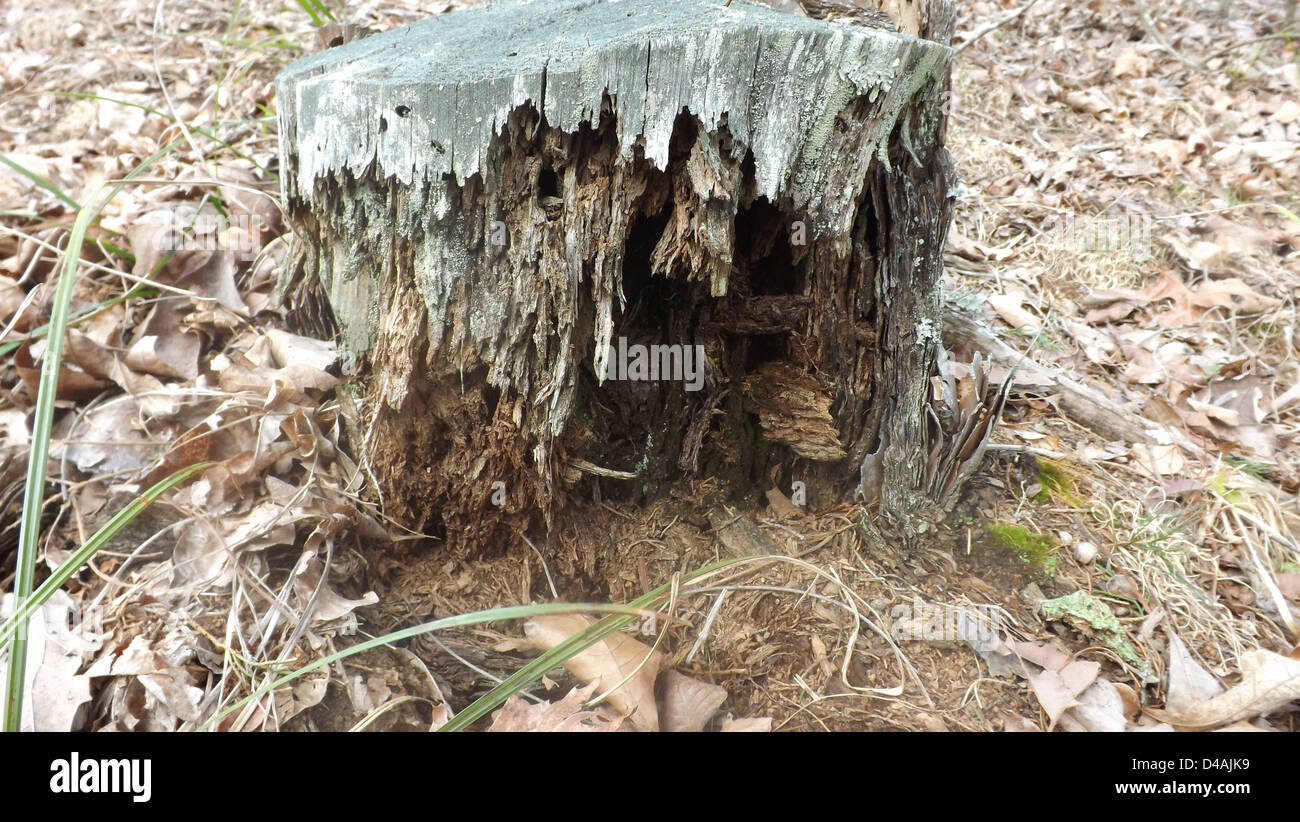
582	250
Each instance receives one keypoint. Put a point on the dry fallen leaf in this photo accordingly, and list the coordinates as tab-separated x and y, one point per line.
55	690
1159	460
781	504
1231	295
1268	681
1058	691
1100	710
606	664
1046	655
570	714
1010	307
1189	684
747	725
108	440
688	704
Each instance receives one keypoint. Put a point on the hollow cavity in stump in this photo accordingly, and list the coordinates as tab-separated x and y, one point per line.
706	245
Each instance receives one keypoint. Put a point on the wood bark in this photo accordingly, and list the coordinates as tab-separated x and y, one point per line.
489	201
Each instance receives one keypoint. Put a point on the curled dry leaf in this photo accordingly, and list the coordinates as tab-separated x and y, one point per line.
568	715
200	556
1189	683
290	348
74	382
155	399
1046	655
606	664
781	504
13	298
291	382
688	704
1010	307
305	692
1268	682
163	347
329	605
1100	709
1058	691
1109	305
1189	305
107	439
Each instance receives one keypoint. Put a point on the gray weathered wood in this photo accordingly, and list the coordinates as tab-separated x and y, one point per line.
490	198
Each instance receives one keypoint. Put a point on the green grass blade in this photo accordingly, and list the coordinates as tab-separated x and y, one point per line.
566	650
91	547
310	7
460	620
34	491
139	291
40	181
329	15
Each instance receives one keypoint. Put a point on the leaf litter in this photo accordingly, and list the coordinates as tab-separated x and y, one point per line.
1128	224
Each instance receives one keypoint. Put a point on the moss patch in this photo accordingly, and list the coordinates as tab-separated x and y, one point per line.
1036	550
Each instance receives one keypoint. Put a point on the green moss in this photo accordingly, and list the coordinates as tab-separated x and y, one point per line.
1036	550
1055	485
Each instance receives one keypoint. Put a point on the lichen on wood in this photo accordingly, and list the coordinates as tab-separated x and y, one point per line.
491	198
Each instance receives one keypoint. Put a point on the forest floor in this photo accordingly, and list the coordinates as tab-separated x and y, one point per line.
1128	219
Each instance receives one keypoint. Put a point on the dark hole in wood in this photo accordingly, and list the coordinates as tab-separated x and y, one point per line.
631	421
763	248
548	183
402	111
761	348
636	261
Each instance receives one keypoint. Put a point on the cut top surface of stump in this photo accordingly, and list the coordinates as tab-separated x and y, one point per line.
424	101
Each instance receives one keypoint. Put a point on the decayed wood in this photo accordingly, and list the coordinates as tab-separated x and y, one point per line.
493	199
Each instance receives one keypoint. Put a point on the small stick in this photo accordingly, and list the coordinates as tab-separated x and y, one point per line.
994	26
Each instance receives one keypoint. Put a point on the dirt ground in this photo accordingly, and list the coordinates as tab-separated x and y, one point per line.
1174	138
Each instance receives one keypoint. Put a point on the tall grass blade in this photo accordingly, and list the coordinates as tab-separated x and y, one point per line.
139	291
34	491
82	555
460	620
40	181
565	651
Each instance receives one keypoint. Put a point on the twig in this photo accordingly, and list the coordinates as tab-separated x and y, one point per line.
1081	402
1285	34
1154	33
994	26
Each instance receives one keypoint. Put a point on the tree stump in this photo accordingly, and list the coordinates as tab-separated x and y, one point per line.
579	251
